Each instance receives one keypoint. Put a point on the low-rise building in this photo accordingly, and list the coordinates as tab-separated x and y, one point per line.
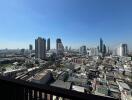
43	77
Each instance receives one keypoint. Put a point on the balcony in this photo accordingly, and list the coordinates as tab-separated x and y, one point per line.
11	89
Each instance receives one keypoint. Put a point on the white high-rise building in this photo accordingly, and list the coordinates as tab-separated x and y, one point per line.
93	52
122	50
40	48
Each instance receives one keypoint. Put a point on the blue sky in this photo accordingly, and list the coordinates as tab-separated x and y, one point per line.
77	22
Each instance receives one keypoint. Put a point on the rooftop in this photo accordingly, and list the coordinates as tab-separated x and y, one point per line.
62	84
124	85
78	88
40	75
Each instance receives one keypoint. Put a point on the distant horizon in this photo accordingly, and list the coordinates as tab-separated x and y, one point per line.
76	22
88	47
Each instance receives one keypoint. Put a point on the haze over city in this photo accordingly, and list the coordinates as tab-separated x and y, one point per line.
75	22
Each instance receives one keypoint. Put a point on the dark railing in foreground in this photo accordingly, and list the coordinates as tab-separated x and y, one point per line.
11	89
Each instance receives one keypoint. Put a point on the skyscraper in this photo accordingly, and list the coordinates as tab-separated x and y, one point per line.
101	45
83	50
98	48
122	50
30	47
48	44
108	50
40	48
93	52
59	46
22	51
104	49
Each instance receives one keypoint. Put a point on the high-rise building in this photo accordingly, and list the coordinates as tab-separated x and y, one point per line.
101	45
22	51
40	48
93	52
48	44
83	50
98	48
122	50
59	46
30	47
104	49
108	50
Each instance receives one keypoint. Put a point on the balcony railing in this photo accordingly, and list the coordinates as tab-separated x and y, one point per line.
11	89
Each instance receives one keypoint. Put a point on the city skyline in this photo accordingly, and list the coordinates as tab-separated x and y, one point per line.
77	23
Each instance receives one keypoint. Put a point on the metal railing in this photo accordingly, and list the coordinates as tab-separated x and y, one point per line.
11	89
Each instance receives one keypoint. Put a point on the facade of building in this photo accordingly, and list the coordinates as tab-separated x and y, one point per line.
22	51
104	49
83	50
59	46
43	77
93	52
48	44
30	47
101	45
122	50
40	48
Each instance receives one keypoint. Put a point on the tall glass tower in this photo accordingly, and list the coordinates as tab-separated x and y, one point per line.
48	44
101	45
